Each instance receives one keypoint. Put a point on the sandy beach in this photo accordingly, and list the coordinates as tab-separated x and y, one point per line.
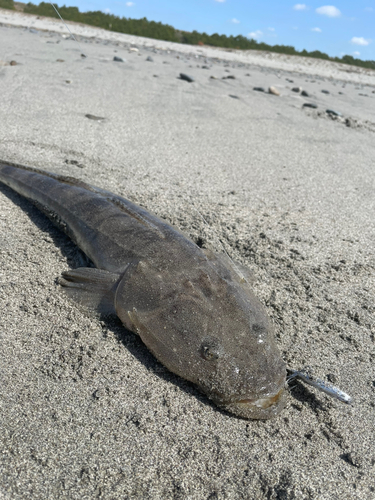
85	410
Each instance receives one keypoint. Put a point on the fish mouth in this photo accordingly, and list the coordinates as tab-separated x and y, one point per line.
264	407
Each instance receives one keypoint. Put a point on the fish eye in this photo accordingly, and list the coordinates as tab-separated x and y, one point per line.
210	349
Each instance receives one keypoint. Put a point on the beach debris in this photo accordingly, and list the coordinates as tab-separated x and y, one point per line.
273	91
309	105
297	89
259	89
326	387
185	77
118	59
333	112
93	117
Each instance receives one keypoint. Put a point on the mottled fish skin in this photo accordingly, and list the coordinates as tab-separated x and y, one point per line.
190	307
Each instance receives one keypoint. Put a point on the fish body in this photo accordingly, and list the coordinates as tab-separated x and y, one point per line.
191	307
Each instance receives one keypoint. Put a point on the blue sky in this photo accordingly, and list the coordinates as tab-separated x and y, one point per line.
345	27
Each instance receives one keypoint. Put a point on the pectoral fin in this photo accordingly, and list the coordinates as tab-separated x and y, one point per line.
92	288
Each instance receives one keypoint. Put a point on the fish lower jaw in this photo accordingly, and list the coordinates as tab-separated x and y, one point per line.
262	402
262	408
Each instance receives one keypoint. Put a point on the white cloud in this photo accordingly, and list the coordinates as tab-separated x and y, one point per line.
359	40
107	11
235	21
300	6
317	30
356	53
130	4
255	34
328	10
271	29
369	9
220	1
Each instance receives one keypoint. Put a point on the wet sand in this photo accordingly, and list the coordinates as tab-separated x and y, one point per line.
86	411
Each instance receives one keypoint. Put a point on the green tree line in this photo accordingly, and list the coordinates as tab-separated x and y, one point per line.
160	31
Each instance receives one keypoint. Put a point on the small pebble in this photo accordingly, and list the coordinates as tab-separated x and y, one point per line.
149	59
93	117
233	96
332	112
259	89
296	89
187	78
273	90
60	60
309	105
118	59
13	63
305	94
229	77
325	91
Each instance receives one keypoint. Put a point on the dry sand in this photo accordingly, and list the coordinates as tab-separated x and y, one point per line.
86	412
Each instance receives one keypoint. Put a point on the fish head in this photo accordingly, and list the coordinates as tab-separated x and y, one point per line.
209	328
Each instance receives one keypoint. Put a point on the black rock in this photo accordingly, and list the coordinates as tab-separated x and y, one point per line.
309	105
229	77
259	89
233	96
205	67
289	80
332	112
149	59
296	89
118	59
93	117
187	78
325	91
305	94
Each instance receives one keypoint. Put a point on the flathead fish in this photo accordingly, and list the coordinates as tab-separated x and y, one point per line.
191	307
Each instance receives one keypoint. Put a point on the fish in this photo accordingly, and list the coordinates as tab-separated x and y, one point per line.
192	307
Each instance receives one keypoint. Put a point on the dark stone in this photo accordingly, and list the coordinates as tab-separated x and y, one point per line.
233	96
259	89
205	67
93	117
305	94
187	78
149	59
332	112
229	77
325	91
289	80
13	63
118	59
296	89
309	105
